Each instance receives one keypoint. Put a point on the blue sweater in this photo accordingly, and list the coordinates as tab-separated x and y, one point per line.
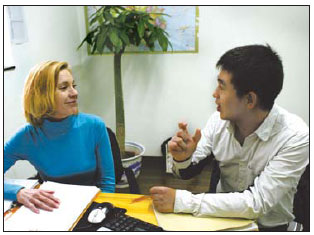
75	150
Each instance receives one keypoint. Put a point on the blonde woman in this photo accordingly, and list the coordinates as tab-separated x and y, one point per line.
63	144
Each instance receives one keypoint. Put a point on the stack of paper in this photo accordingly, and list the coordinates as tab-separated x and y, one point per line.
74	200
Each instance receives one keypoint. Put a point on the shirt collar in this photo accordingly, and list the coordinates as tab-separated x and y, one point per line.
266	129
230	127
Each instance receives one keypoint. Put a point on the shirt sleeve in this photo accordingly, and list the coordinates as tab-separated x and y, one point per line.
281	174
203	149
11	153
105	161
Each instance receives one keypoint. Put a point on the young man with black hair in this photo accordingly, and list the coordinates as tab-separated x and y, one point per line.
262	150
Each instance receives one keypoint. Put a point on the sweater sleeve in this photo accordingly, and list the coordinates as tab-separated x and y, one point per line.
12	152
105	160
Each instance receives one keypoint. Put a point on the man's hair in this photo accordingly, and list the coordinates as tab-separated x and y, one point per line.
256	68
39	90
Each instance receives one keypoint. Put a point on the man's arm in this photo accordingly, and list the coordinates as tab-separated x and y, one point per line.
281	175
183	145
199	155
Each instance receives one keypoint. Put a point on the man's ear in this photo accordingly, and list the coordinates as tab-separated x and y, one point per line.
251	100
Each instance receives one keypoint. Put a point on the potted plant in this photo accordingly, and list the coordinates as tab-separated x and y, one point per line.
113	29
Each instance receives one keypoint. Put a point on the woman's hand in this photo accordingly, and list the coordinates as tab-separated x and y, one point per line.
36	199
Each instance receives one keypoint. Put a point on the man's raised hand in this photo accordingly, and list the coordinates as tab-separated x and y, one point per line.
182	145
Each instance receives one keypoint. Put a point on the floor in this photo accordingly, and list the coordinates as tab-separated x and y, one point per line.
153	173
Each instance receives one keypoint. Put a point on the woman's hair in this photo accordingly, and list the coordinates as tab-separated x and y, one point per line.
39	90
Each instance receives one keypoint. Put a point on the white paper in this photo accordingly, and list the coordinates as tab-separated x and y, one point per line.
6	205
74	200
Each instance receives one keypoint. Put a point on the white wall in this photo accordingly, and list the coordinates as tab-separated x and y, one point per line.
160	90
53	34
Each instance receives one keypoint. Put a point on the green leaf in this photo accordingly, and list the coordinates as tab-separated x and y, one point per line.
149	44
137	39
108	17
124	38
149	26
108	44
116	41
114	38
93	20
99	17
141	28
169	43
163	41
94	45
153	37
86	39
100	43
122	17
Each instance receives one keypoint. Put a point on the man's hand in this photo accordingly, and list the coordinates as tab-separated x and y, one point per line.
36	199
163	198
182	145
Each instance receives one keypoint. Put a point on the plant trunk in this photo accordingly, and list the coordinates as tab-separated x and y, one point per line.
120	125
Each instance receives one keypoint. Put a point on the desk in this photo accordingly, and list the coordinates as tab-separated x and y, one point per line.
138	206
141	207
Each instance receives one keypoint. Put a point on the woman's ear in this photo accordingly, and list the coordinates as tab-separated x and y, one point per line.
251	100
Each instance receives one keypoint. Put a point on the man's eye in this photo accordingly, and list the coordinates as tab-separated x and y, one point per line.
74	85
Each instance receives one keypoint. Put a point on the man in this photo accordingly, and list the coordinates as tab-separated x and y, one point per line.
262	150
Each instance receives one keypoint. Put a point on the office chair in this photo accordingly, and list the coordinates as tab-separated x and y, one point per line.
301	203
119	168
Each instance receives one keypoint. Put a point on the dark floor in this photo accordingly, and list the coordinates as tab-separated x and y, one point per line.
153	173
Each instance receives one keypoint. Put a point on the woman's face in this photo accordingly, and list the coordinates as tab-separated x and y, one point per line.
65	96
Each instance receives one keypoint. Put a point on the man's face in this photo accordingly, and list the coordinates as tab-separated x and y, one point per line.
230	106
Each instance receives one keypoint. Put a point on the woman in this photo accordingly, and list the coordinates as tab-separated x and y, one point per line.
62	144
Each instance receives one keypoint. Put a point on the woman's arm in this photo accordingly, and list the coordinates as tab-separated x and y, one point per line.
11	153
105	164
34	199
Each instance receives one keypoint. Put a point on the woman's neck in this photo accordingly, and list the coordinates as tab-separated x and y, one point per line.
54	119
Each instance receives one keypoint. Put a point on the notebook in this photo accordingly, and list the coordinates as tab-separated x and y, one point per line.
74	199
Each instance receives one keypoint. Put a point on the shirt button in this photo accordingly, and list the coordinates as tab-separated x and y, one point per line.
250	166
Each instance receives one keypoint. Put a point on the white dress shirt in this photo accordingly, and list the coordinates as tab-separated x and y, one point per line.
258	180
